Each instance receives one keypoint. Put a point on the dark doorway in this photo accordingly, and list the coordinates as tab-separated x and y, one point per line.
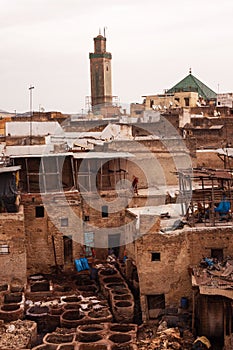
155	304
68	249
217	253
114	243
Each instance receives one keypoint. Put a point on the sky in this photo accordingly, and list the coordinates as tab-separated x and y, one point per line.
46	44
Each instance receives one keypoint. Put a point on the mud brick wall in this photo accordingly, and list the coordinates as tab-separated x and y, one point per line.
177	251
40	230
202	240
155	162
101	226
12	233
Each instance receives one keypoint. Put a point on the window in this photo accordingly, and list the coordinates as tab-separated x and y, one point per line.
104	211
86	218
155	256
4	249
64	222
186	101
88	242
40	211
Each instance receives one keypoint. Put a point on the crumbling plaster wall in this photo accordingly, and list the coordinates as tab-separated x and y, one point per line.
155	162
12	233
40	230
179	250
101	226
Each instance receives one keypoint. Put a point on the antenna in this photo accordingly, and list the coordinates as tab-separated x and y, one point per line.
105	30
99	31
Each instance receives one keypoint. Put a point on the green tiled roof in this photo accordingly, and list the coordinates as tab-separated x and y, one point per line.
191	83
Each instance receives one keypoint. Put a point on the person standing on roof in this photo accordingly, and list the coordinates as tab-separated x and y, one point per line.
135	184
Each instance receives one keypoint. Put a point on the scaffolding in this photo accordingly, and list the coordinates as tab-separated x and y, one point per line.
211	198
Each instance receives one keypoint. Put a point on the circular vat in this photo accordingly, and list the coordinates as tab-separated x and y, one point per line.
89	337
123	347
112	280
108	272
58	338
90	328
37	310
123	297
120	292
45	347
67	347
71	299
120	338
123	304
72	315
115	286
122	328
71	306
11	298
93	347
10	307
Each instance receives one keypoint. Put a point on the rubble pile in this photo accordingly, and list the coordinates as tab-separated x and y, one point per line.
17	334
165	338
214	273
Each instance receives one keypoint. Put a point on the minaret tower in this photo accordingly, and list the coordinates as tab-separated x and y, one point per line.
101	74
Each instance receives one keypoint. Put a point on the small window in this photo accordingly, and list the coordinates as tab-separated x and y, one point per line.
86	218
104	211
155	256
4	249
64	222
186	101
40	211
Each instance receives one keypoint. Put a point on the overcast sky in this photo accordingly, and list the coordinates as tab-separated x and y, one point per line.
46	43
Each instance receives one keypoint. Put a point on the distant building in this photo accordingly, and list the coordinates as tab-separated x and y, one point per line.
189	92
225	100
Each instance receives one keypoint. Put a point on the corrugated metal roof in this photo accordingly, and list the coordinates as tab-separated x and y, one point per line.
9	169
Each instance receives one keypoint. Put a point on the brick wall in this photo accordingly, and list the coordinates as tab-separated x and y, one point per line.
12	233
178	251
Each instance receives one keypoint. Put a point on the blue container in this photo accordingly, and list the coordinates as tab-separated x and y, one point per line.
184	303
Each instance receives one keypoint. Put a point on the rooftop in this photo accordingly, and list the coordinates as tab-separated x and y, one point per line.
192	84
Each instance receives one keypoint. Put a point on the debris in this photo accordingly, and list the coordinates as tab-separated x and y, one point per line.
16	335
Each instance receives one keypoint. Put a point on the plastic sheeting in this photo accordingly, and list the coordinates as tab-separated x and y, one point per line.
81	264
